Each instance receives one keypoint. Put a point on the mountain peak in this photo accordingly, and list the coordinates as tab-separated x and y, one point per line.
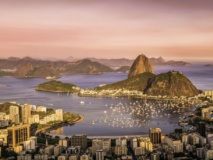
160	59
13	58
140	65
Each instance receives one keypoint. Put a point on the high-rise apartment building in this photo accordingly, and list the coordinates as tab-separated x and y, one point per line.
79	140
14	114
155	135
18	134
100	155
25	113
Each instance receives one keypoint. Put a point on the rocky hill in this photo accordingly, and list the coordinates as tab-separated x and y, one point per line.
85	66
140	65
43	71
172	83
15	63
28	66
28	70
23	70
141	78
138	82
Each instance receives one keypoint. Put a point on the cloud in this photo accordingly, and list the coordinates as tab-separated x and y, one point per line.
114	28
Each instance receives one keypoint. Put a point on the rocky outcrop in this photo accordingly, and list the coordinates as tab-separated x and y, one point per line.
172	83
140	65
28	70
85	66
23	70
43	71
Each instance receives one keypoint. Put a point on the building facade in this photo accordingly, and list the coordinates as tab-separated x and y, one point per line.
18	134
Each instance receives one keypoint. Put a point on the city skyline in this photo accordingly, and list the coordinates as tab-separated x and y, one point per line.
120	29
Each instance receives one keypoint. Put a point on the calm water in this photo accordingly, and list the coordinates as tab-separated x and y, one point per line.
22	91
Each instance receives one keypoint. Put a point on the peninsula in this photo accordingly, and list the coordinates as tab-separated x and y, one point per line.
40	118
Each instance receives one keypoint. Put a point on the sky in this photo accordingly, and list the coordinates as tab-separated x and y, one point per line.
172	29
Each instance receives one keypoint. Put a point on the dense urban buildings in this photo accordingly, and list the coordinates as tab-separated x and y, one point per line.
156	145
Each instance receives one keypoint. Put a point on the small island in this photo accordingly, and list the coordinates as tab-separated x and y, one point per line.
208	65
57	86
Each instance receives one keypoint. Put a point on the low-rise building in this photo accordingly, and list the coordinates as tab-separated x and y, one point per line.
63	142
85	157
49	150
177	145
74	157
209	155
24	157
121	150
58	150
33	119
139	151
41	157
3	137
41	109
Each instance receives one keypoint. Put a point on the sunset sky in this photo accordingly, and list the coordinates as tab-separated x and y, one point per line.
172	29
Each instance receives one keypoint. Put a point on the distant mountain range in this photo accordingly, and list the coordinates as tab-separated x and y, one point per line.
31	67
208	65
127	62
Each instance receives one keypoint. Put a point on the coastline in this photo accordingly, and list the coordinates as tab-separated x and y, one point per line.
56	126
121	95
42	90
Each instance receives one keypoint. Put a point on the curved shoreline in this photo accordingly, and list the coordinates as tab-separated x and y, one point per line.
43	90
62	124
115	96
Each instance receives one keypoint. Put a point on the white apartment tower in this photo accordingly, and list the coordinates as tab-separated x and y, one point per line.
59	114
14	114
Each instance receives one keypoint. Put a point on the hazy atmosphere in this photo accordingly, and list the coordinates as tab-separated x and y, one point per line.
107	29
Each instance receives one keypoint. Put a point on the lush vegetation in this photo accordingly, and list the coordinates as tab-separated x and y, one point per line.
43	71
5	107
172	83
68	118
2	73
138	82
43	114
57	86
